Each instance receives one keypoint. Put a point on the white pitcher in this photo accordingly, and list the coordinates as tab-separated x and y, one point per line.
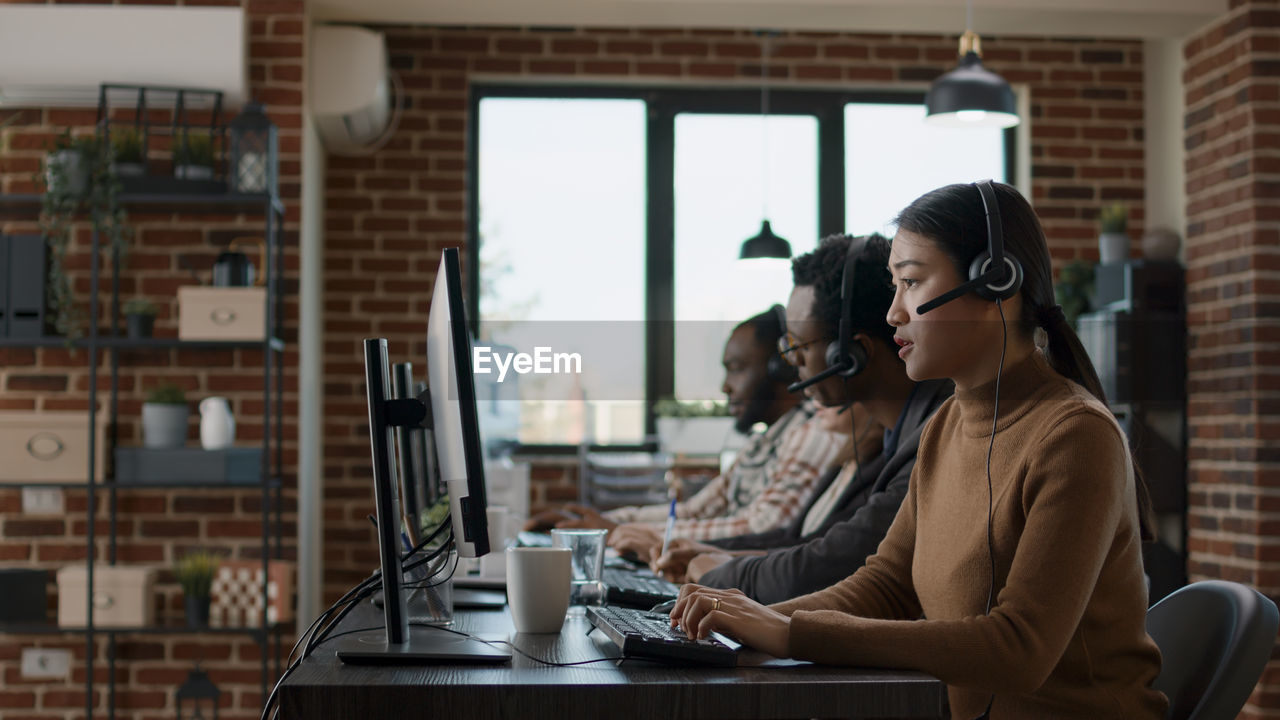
217	427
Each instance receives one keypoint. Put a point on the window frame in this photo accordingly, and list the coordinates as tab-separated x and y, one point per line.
663	103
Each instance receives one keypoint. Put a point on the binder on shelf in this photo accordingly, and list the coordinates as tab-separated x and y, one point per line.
27	270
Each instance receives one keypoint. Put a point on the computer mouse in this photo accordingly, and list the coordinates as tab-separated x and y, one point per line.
663	607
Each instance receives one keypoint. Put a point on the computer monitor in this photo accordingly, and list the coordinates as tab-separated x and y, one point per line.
450	413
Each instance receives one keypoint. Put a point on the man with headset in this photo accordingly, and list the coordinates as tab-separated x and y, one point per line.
772	476
844	351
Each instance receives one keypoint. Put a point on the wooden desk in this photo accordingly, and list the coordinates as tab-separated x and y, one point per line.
325	689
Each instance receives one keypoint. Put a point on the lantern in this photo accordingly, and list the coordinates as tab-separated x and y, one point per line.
201	696
252	157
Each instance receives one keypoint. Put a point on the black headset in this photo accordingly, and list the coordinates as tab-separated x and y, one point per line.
845	356
992	274
776	368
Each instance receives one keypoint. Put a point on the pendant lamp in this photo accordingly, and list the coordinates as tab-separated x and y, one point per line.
765	244
970	95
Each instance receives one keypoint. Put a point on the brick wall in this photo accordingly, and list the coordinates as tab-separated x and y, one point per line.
1232	82
156	526
389	215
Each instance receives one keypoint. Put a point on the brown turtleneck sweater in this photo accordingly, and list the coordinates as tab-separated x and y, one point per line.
1066	635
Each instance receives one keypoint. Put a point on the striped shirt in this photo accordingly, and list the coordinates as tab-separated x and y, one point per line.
766	487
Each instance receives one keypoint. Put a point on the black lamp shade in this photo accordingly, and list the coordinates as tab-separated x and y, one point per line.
765	245
253	152
969	96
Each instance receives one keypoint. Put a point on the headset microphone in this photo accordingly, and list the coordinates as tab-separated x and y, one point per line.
798	386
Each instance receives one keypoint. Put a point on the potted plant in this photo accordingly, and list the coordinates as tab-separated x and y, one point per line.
195	573
126	148
1113	243
69	164
139	317
1073	289
692	427
78	182
193	158
164	418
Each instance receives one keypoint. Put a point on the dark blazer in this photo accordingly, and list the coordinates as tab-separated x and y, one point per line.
799	564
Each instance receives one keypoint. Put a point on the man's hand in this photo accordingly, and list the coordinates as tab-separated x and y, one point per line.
674	564
637	539
705	562
569	516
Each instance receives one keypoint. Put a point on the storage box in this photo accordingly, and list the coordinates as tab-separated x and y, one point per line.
24	598
234	466
122	596
222	313
237	593
47	447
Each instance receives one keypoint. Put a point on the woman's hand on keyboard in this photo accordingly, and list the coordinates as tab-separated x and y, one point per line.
699	610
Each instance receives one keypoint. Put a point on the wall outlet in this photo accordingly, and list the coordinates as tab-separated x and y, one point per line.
43	501
45	664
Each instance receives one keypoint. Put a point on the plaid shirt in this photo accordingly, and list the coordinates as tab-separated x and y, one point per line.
767	485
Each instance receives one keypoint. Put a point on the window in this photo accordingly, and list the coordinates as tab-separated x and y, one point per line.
607	222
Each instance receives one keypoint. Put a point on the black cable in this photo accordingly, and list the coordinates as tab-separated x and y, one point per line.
512	645
995	418
319	629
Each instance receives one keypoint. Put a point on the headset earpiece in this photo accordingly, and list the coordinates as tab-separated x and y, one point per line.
1012	281
852	359
776	368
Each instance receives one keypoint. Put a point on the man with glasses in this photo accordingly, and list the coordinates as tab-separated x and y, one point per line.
771	478
853	508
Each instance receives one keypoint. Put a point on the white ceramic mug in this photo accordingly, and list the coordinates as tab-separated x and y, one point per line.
538	587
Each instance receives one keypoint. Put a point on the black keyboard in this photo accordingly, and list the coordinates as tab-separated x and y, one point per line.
649	636
637	588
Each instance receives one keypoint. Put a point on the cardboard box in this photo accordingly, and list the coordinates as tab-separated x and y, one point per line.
237	593
236	465
48	447
222	313
122	596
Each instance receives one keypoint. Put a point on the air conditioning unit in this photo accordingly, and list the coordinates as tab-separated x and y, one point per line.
348	86
58	55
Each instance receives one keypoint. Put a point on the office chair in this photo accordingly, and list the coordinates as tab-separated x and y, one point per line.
609	479
1215	638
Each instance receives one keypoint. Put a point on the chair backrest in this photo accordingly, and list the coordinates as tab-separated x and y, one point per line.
1215	638
609	479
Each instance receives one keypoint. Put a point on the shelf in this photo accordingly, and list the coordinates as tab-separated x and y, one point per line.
173	629
228	203
272	484
161	343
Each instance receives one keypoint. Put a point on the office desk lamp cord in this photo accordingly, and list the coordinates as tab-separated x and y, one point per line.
995	418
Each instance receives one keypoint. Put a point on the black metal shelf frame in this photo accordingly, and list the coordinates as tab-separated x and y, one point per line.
272	210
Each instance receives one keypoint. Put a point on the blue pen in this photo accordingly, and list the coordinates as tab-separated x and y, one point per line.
671	526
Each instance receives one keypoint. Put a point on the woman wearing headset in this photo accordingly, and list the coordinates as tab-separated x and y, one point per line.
1013	571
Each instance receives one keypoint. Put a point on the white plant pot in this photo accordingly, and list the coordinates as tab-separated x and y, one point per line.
1113	247
694	435
74	172
164	426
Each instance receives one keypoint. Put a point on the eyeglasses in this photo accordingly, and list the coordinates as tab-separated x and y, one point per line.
788	344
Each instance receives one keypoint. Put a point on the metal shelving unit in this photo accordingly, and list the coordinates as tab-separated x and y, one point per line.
270	208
